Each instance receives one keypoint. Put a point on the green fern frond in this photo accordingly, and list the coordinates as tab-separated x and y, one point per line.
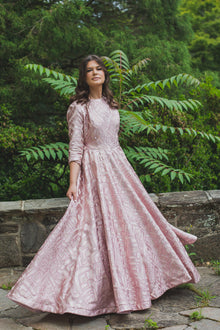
117	74
58	84
49	151
189	131
163	102
134	122
156	153
130	98
177	80
140	65
149	159
57	75
64	87
121	59
112	66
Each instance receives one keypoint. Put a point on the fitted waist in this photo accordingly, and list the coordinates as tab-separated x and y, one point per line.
101	147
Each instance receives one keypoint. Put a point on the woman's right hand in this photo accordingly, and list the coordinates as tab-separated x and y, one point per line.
72	192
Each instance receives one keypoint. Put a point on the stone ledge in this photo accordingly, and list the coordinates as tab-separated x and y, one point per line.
33	205
41	204
10	206
172	199
215	195
186	198
154	198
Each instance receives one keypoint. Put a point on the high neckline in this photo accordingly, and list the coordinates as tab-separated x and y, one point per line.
98	99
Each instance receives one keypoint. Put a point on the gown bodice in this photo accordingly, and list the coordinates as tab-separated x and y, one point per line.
102	125
92	126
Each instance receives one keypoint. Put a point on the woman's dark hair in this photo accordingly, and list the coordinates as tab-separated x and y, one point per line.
82	88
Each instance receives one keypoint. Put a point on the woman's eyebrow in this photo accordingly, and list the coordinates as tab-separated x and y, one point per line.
91	67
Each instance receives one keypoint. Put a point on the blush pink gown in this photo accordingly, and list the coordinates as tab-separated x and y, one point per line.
112	251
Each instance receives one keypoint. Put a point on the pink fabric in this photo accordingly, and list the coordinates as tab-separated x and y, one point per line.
113	251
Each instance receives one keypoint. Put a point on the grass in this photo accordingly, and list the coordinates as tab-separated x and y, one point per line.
190	287
196	316
204	298
150	324
190	254
7	286
216	266
187	247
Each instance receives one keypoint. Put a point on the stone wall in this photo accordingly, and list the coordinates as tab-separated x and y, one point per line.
24	225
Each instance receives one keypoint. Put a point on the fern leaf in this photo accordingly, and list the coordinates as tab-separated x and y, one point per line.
140	65
42	70
172	175
175	80
51	151
180	175
121	59
165	171
146	157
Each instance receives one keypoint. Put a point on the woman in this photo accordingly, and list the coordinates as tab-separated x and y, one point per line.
113	251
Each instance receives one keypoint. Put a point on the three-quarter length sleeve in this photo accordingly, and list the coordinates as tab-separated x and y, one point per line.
75	121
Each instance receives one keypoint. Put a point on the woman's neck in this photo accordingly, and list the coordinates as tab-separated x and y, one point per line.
95	93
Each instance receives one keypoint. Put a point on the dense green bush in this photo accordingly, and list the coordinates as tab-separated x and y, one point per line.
57	35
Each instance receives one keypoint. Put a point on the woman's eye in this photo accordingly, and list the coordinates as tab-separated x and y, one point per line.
99	69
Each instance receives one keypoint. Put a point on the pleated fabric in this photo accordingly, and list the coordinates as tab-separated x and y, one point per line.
112	251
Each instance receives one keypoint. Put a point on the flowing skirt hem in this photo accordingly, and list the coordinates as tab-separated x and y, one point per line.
120	309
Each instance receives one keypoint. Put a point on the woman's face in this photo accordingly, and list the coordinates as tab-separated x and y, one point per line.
95	76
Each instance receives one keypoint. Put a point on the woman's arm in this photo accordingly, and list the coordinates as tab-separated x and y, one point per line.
74	172
76	142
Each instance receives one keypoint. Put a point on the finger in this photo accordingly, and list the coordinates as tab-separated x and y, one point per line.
69	195
74	196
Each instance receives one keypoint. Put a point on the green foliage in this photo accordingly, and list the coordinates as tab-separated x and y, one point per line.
123	78
155	37
188	286
205	45
189	247
150	324
203	298
22	178
130	98
190	254
156	16
216	266
48	151
7	286
148	157
196	316
139	124
62	82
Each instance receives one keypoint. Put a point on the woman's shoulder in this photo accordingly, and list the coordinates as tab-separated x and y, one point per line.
75	107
